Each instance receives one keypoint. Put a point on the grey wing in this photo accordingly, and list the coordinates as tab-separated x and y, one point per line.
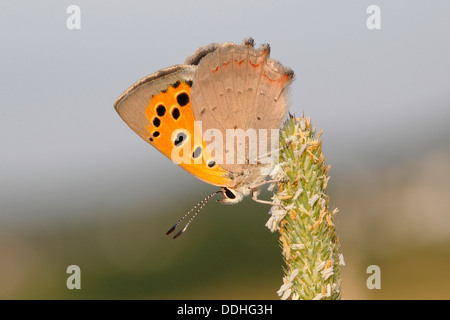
239	87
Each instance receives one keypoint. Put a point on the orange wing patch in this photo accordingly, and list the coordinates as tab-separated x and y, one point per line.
174	132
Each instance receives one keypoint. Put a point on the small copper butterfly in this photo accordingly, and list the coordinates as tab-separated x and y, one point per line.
220	90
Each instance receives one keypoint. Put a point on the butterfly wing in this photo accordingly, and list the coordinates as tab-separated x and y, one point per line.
158	108
133	103
238	86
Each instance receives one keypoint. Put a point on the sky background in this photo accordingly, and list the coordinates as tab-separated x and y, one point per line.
67	159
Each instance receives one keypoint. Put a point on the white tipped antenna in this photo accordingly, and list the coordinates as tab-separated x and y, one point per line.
199	206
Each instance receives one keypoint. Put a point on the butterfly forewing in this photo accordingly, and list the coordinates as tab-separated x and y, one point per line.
132	104
159	109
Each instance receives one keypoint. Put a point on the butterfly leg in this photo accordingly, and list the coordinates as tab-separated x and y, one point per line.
257	186
255	194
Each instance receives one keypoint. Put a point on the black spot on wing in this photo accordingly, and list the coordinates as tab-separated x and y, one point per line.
161	110
179	139
183	99
197	152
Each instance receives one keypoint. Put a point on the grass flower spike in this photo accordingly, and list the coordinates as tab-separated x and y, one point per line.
307	232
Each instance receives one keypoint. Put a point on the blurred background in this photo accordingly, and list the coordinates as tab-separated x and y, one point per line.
77	186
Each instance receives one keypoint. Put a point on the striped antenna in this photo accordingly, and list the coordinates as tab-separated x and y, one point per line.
199	206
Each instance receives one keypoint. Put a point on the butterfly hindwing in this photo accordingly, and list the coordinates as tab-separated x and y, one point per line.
240	87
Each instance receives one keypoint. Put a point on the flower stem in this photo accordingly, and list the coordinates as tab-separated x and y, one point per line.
307	232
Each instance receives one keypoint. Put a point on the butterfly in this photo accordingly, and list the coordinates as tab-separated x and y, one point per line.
220	90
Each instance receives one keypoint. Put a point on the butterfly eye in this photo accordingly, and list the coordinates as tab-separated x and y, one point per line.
182	99
228	193
179	139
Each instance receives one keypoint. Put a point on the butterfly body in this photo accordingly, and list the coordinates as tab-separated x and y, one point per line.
220	88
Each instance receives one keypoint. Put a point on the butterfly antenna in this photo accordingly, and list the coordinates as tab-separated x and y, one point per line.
199	206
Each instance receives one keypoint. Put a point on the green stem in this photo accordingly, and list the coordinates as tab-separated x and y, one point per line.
307	231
